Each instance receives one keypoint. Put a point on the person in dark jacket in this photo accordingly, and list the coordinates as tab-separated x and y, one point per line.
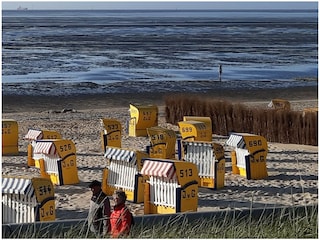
121	217
99	211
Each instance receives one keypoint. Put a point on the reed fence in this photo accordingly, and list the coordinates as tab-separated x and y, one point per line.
281	126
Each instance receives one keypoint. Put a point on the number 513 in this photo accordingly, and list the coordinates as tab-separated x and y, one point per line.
186	172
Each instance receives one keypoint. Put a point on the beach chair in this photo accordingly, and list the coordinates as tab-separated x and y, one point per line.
195	131
171	186
279	104
122	172
206	120
10	136
56	159
111	133
33	135
27	200
249	157
141	118
209	159
313	110
162	143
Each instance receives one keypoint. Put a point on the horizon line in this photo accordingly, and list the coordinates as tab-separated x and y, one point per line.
157	9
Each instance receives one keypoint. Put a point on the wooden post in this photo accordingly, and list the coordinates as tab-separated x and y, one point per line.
147	198
30	162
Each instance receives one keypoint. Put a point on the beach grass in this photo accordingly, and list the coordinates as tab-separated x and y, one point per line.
286	224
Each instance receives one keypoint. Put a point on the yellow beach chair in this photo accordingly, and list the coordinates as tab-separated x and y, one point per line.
141	118
27	200
10	137
249	157
162	142
56	159
33	135
171	186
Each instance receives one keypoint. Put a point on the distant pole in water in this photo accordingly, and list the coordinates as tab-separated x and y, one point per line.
220	72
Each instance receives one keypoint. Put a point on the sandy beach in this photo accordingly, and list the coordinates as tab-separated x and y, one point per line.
292	169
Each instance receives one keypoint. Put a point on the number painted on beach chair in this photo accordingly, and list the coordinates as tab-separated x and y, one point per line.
186	172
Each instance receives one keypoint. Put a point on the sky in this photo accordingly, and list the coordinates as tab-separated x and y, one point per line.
174	5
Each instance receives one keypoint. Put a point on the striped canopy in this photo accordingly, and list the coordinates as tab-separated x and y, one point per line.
120	154
236	141
46	147
17	186
158	169
33	134
199	144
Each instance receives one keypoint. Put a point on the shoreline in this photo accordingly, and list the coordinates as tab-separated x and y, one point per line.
13	103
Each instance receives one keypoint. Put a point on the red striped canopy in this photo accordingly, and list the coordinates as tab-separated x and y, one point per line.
45	147
33	134
158	169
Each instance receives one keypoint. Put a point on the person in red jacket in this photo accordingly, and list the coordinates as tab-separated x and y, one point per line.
120	218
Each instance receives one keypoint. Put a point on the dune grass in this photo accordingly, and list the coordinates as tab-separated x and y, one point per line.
292	225
289	224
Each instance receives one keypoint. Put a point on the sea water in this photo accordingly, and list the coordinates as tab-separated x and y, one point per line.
65	52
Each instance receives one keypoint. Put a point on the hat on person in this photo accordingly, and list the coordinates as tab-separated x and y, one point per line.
94	183
121	194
